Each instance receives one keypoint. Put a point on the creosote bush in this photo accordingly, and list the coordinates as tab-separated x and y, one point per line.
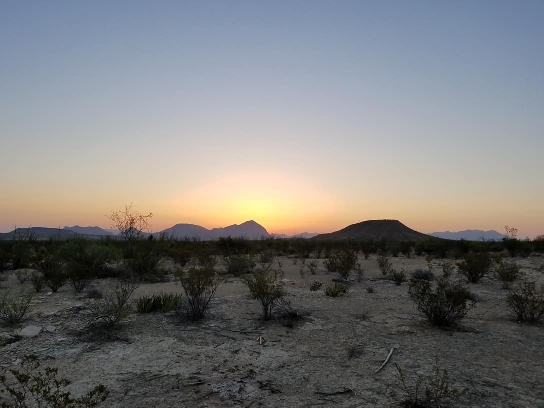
312	266
443	305
265	286
398	276
527	302
32	386
423	274
315	286
342	261
475	266
199	285
51	269
335	290
114	307
385	265
13	309
239	265
507	272
429	391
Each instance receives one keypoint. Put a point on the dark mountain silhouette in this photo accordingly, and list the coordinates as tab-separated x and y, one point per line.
375	230
88	230
248	229
38	233
471	235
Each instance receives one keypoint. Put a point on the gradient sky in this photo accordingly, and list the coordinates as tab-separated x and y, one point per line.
301	115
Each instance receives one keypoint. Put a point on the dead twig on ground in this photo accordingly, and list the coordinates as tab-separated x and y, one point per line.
387	359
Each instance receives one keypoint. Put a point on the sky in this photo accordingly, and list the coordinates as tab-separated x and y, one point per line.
300	115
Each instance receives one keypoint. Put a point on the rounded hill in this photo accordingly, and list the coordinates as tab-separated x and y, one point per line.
375	230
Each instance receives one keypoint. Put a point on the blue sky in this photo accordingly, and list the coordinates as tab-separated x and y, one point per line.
302	115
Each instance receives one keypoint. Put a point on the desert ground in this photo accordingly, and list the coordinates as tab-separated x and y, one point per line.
328	358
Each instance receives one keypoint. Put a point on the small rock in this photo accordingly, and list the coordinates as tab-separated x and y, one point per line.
50	329
30	331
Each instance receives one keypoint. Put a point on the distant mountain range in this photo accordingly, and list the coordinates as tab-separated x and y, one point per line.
390	230
248	229
375	230
470	235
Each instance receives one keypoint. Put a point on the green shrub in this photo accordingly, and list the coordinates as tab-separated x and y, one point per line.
315	286
285	313
398	276
507	272
342	261
444	305
14	309
144	263
385	265
114	307
527	302
199	285
423	274
51	269
335	290
32	387
429	391
37	281
163	303
447	268
475	266
312	266
239	264
265	286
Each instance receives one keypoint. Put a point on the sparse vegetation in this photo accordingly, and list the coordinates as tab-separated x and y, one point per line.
335	290
114	307
429	391
22	276
398	276
475	266
51	269
199	285
265	286
423	274
13	309
315	286
163	303
285	313
385	265
33	387
312	266
342	261
445	304
239	265
37	281
527	302
507	272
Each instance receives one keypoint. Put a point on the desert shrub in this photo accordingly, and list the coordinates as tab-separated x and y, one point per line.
312	266
341	261
85	261
143	263
94	293
429	391
14	309
335	290
443	305
266	258
384	263
265	286
51	269
239	264
199	285
37	281
507	272
423	274
20	254
4	260
22	276
33	387
285	313
114	307
398	276
447	268
163	302
475	266
527	302
370	289
315	286
359	271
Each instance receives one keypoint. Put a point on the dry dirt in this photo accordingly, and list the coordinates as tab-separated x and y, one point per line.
327	359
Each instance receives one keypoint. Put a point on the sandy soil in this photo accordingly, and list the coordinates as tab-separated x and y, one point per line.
327	359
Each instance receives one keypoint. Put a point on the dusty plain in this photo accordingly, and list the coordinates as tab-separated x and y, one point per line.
329	358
